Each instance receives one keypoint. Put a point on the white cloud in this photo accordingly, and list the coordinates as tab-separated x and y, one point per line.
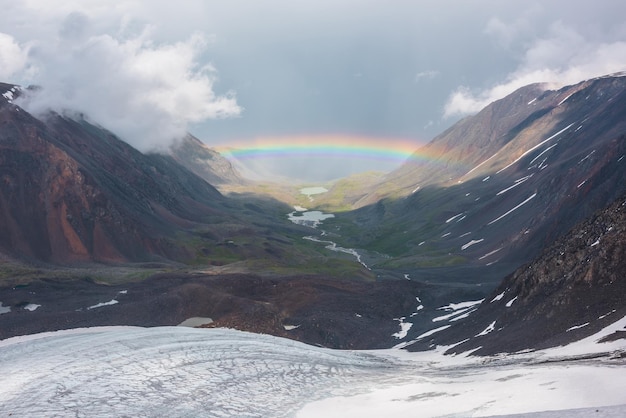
428	75
12	57
561	58
508	33
113	71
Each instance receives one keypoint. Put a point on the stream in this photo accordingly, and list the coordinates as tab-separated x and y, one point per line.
313	218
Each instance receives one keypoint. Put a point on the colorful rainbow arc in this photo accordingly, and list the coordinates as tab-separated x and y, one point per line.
386	149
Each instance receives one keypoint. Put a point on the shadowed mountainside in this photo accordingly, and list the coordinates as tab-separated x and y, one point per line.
72	192
573	290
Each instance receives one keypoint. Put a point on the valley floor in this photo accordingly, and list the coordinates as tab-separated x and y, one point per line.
178	371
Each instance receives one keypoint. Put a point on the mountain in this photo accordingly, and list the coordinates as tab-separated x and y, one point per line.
493	190
573	290
205	162
496	190
507	129
72	192
93	232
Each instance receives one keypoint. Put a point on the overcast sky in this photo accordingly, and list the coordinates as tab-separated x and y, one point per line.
235	70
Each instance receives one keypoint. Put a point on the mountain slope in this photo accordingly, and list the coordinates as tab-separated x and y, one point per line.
500	133
502	184
574	289
73	192
466	144
205	162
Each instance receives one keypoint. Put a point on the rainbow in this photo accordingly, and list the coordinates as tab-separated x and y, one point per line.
323	146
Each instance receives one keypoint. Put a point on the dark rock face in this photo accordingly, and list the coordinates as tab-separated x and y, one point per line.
574	289
73	192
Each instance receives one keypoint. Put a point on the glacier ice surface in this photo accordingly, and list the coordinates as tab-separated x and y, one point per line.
178	371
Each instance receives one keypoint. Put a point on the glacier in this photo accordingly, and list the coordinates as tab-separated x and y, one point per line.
187	372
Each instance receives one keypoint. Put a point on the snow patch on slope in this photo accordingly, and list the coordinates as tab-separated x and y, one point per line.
472	242
535	147
498	297
404	328
487	330
4	309
514	209
100	305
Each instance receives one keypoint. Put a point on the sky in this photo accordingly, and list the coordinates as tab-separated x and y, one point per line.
241	74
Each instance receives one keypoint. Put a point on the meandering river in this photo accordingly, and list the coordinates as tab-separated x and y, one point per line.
313	218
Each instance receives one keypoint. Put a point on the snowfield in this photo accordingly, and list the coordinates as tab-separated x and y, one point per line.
178	371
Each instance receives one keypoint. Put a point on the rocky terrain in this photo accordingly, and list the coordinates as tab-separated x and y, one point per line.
574	289
322	311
